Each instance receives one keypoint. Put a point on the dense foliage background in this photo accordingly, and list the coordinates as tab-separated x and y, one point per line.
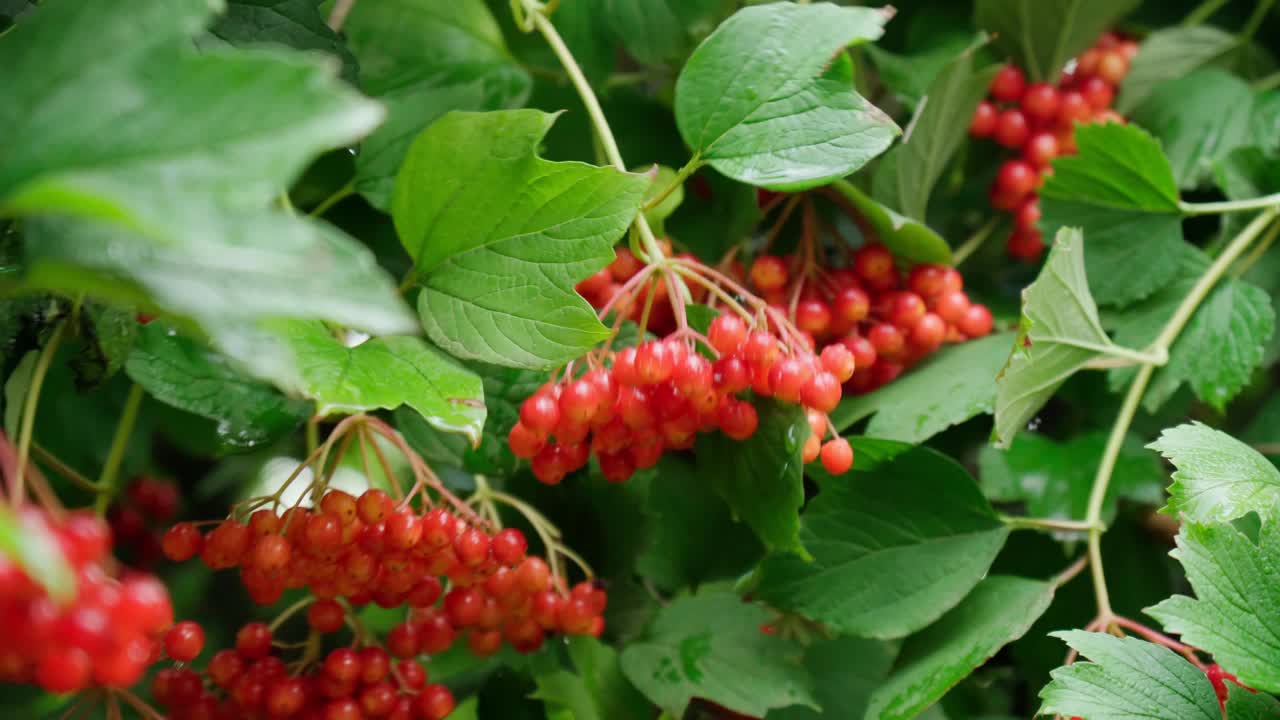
227	226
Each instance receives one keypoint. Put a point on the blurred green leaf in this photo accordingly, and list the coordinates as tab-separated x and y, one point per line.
292	23
910	240
659	31
1042	37
845	672
597	690
1186	115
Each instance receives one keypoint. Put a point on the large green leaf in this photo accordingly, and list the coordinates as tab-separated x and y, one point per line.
1054	479
1248	705
950	387
424	58
1186	115
597	690
1060	332
1236	612
1041	36
910	240
385	373
659	31
909	76
687	516
1129	679
878	537
999	610
906	175
1120	190
762	478
32	546
187	375
710	645
845	671
1171	53
768	97
293	23
498	286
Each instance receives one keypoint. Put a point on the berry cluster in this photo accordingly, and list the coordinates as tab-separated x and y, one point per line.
249	681
369	549
106	636
1037	120
610	288
886	321
139	517
659	395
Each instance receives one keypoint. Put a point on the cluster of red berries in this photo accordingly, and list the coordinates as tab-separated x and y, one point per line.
348	684
602	288
139	517
1037	121
659	395
886	321
369	549
106	636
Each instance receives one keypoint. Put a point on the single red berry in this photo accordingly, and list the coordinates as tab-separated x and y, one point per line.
1028	213
838	360
253	641
435	702
472	547
864	353
1026	243
1113	66
1040	102
887	340
837	456
1097	93
579	401
813	316
822	392
788	377
270	553
737	418
224	667
325	616
1016	178
984	120
727	333
928	333
951	306
1041	149
850	306
1073	108
1012	128
184	641
182	542
976	322
509	547
63	669
760	350
403	529
342	709
341	505
874	265
285	697
540	412
1008	84
323	532
769	272
342	664
525	443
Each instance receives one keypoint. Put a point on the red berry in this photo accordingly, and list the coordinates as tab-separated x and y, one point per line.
285	697
325	616
864	353
874	264
579	400
184	641
540	412
509	547
1073	108
182	542
403	641
984	120
435	702
323	532
737	419
472	547
822	392
727	333
837	456
654	362
1016	179
1040	101
887	340
403	529
1028	213
769	272
730	375
928	333
341	505
224	667
850	306
62	670
813	316
1041	149
951	306
1097	93
525	443
1012	128
254	641
692	374
1026	244
1008	84
976	322
342	709
1113	66
760	349
838	360
625	265
788	378
342	664
269	554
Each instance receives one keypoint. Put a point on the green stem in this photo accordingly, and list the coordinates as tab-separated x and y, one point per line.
64	469
1202	12
119	443
1269	82
969	246
682	174
1257	252
1133	397
594	112
1254	22
27	429
1048	524
338	196
1226	206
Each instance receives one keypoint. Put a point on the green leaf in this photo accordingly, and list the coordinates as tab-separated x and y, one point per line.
909	76
1060	332
710	645
909	239
227	281
1120	191
950	387
1054	479
1186	115
1236	613
659	31
597	690
768	97
762	477
584	25
876	537
1247	172
1217	477
1246	705
845	672
999	610
1042	37
106	336
1265	123
687	517
558	225
1168	54
423	58
1129	679
183	373
291	23
714	221
905	177
32	546
385	373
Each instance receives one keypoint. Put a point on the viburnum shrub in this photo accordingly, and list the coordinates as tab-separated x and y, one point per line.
412	360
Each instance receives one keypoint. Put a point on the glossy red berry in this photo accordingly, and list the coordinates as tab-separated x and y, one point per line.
1040	102
813	316
254	641
976	322
1073	108
1016	179
184	641
874	265
525	443
822	392
1008	84
1041	149
727	333
325	616
837	456
1097	93
182	542
838	360
1113	66
1012	128
984	120
1026	243
540	412
769	272
509	547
